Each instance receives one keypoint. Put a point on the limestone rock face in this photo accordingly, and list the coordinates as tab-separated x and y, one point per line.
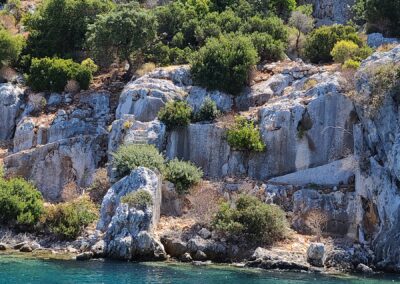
328	12
307	124
55	165
377	141
128	130
128	229
316	254
10	103
376	40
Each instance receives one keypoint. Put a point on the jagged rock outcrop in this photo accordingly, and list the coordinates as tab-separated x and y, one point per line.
376	40
128	229
328	12
10	102
58	150
377	147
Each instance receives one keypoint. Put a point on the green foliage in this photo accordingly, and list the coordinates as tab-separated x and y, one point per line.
273	26
129	157
383	16
10	47
245	136
363	52
321	41
124	32
252	219
20	203
69	219
224	63
140	199
208	111
351	64
183	174
344	50
52	74
175	114
58	27
89	64
267	48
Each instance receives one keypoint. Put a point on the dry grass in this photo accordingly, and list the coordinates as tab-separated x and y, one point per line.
70	192
100	185
386	47
145	68
72	87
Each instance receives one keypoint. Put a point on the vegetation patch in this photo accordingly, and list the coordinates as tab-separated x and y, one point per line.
129	157
251	218
245	136
140	199
183	174
175	114
208	111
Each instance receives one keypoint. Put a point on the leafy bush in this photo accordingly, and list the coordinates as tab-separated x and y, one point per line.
175	114
267	48
58	27
273	26
140	199
208	111
224	63
363	52
20	203
69	219
383	16
252	219
129	157
351	64
89	64
52	74
245	136
122	33
344	50
183	174
321	41
10	47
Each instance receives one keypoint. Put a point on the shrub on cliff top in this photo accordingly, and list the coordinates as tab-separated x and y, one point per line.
129	157
69	219
245	136
252	219
10	47
224	63
21	203
183	174
208	111
52	74
175	114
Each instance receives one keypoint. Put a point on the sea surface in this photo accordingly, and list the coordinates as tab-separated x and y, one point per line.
22	270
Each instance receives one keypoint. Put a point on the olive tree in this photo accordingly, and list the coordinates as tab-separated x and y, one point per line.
122	34
302	20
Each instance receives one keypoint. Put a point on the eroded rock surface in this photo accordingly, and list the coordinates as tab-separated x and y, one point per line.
10	103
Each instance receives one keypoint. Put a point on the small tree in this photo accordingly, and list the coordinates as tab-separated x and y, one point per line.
302	20
208	111
175	114
122	34
183	174
245	136
224	63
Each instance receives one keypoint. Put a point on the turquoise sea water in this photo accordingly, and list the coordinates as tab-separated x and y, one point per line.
19	270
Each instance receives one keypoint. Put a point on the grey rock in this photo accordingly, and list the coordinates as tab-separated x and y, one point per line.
364	269
3	246
197	96
19	245
316	254
376	40
84	256
329	12
26	248
199	255
98	249
172	203
204	233
186	257
174	247
10	102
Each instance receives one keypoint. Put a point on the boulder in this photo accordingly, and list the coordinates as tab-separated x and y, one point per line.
376	40
174	247
84	256
200	256
10	103
98	249
186	257
26	248
3	246
329	12
172	203
204	233
197	96
362	268
316	254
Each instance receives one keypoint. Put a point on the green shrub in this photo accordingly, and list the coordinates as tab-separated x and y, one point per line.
245	136
58	27
175	114
68	220
129	157
268	48
89	64
351	64
224	63
52	74
321	41
183	174
140	199
252	219
208	111
363	53
273	26
383	16
20	203
344	50
10	47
